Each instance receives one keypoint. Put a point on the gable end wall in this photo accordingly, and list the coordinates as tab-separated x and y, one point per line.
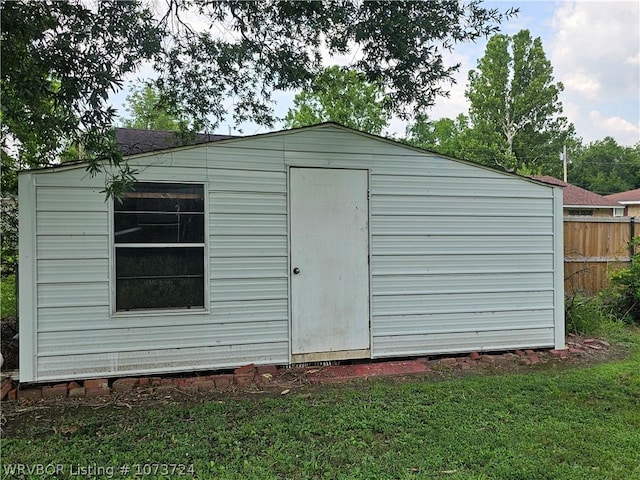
462	258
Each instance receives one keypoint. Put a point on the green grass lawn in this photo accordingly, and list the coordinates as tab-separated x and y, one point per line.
550	423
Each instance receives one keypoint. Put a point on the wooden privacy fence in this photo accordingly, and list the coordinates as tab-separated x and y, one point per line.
593	248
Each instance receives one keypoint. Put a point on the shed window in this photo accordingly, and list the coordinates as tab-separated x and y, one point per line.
159	247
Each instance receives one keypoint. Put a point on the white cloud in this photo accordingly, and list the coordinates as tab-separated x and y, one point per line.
622	130
594	52
634	59
456	102
596	40
583	83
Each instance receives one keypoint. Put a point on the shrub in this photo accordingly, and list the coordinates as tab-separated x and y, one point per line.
8	296
587	316
622	298
8	235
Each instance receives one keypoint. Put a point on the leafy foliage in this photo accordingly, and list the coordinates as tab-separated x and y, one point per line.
60	62
605	167
280	45
623	296
62	59
342	96
8	300
146	110
445	135
9	237
589	316
515	112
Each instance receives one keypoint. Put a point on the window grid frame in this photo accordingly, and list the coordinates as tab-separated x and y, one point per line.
142	312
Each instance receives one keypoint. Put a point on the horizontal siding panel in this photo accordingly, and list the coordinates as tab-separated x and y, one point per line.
72	223
73	294
156	338
427	165
520	208
193	157
465	243
254	203
260	142
247	181
447	225
247	224
250	311
63	199
381	164
332	140
161	173
66	367
236	156
78	271
460	303
70	177
461	283
502	186
356	160
248	289
390	346
73	318
72	247
460	263
461	322
386	156
53	319
189	157
246	246
248	267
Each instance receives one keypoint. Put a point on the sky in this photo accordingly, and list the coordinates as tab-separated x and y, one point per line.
593	46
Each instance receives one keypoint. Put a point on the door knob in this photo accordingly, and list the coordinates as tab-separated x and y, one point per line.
296	270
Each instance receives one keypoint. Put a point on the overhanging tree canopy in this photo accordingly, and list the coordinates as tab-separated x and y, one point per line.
60	63
62	59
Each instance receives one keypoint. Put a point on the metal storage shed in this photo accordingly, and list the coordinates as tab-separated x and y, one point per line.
319	243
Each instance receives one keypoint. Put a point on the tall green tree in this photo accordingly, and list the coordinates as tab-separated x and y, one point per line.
147	111
342	96
515	112
605	167
445	135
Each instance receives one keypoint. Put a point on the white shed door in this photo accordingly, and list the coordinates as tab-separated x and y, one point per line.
329	263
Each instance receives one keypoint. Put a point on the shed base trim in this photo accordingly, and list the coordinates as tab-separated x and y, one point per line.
326	356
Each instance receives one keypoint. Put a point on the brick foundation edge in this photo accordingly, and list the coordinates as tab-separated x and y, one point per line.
251	375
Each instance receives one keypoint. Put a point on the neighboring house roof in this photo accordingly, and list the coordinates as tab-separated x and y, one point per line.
574	196
630	197
133	141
